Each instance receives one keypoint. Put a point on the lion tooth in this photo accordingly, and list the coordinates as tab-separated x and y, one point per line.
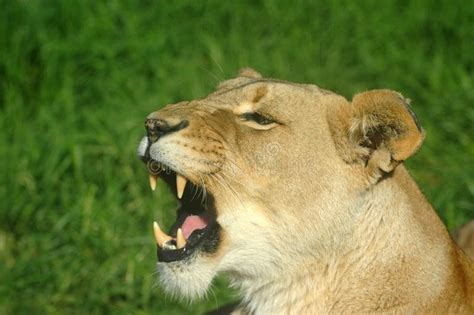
152	179
180	185
160	237
180	240
169	246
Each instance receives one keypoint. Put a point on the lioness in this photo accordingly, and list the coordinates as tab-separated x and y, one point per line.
301	197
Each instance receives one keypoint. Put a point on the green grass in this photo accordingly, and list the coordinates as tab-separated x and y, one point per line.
77	79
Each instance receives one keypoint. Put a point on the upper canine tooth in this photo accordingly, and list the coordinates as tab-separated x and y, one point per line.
180	240
152	179
180	185
160	237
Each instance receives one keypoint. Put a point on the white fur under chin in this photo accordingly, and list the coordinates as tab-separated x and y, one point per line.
189	280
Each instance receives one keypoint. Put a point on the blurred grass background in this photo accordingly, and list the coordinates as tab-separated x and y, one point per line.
77	79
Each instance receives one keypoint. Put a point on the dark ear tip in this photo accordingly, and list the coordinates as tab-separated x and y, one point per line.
249	73
413	115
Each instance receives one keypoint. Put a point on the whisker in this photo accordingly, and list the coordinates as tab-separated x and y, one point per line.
219	178
196	192
212	74
234	164
220	68
203	191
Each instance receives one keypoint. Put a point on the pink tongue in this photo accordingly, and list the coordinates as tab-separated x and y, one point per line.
192	223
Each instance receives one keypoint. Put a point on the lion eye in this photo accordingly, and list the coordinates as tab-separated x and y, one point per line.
258	118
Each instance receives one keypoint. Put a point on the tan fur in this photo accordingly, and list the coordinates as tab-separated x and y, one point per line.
464	236
317	213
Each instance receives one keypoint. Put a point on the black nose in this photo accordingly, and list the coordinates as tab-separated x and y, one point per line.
157	128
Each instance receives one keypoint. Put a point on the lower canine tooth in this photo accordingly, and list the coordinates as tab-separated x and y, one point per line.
153	179
180	240
160	237
180	185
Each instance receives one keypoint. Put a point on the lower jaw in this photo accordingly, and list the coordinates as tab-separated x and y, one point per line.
206	243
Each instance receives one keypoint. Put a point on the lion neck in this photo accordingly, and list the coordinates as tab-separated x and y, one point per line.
387	231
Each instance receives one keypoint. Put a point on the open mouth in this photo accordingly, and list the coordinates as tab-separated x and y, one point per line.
195	227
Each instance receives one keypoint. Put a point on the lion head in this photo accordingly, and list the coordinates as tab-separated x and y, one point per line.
268	174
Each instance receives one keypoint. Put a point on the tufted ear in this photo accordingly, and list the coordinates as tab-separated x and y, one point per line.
249	73
378	129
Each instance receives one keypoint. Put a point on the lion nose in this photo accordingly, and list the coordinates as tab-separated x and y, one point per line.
157	128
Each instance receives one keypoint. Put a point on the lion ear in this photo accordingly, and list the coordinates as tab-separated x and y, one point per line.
378	129
249	73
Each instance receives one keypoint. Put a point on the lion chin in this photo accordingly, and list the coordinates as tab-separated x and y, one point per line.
301	198
190	281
